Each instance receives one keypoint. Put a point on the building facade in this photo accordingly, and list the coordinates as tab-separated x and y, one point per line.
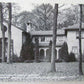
44	38
70	35
16	40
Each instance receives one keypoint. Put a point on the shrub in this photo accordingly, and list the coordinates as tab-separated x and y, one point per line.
72	57
15	58
63	52
27	52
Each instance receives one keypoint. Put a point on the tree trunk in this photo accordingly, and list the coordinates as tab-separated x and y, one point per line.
36	49
3	33
9	33
80	50
54	39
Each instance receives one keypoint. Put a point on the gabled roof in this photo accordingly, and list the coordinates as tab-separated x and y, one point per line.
14	25
74	27
48	32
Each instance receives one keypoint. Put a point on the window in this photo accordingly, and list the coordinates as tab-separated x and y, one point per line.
77	34
42	39
60	39
75	49
48	39
36	39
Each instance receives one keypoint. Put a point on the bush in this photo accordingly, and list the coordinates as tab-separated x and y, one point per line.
72	57
15	58
63	52
58	60
27	52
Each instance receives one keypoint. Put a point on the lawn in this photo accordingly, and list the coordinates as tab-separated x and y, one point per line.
40	71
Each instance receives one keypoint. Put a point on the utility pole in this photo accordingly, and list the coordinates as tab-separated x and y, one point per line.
9	33
80	50
54	39
3	32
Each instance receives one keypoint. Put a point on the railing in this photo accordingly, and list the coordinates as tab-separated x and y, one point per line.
47	43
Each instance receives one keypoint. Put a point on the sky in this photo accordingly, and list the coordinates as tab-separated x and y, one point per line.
29	5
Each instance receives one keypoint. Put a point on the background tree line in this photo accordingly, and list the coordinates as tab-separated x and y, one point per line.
42	17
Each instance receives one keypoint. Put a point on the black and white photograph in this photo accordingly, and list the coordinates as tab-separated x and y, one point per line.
41	40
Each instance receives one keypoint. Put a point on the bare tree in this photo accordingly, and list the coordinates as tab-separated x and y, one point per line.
80	50
54	39
3	33
41	17
9	33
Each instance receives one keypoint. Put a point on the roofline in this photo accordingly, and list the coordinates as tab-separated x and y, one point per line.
73	29
15	26
49	35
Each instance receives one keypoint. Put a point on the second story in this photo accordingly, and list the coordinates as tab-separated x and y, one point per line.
45	37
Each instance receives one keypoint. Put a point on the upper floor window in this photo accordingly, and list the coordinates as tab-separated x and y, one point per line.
42	39
60	39
77	34
75	49
48	39
82	34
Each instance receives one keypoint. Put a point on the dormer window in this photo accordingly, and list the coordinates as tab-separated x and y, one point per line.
42	39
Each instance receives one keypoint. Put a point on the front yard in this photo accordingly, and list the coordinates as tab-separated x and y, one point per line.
39	71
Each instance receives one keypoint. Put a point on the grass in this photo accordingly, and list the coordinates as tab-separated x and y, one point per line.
63	70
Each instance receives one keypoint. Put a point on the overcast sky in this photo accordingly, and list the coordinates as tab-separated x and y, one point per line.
30	4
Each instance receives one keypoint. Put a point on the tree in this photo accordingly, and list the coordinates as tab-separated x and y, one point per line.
9	33
27	52
36	49
40	17
3	33
80	50
50	49
54	39
64	55
68	16
43	15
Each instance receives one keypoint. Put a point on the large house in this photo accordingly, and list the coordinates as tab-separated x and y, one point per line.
69	35
44	38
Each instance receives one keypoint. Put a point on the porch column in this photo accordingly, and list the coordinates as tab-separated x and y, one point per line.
45	54
57	53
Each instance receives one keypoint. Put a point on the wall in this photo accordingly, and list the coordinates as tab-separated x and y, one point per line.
16	35
60	39
73	42
17	40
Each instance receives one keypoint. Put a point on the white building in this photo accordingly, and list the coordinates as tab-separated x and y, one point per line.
16	37
69	35
72	34
44	39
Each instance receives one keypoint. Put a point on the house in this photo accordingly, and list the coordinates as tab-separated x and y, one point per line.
72	35
69	35
16	39
44	38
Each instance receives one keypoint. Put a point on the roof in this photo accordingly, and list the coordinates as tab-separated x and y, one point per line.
14	25
47	44
49	32
74	27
